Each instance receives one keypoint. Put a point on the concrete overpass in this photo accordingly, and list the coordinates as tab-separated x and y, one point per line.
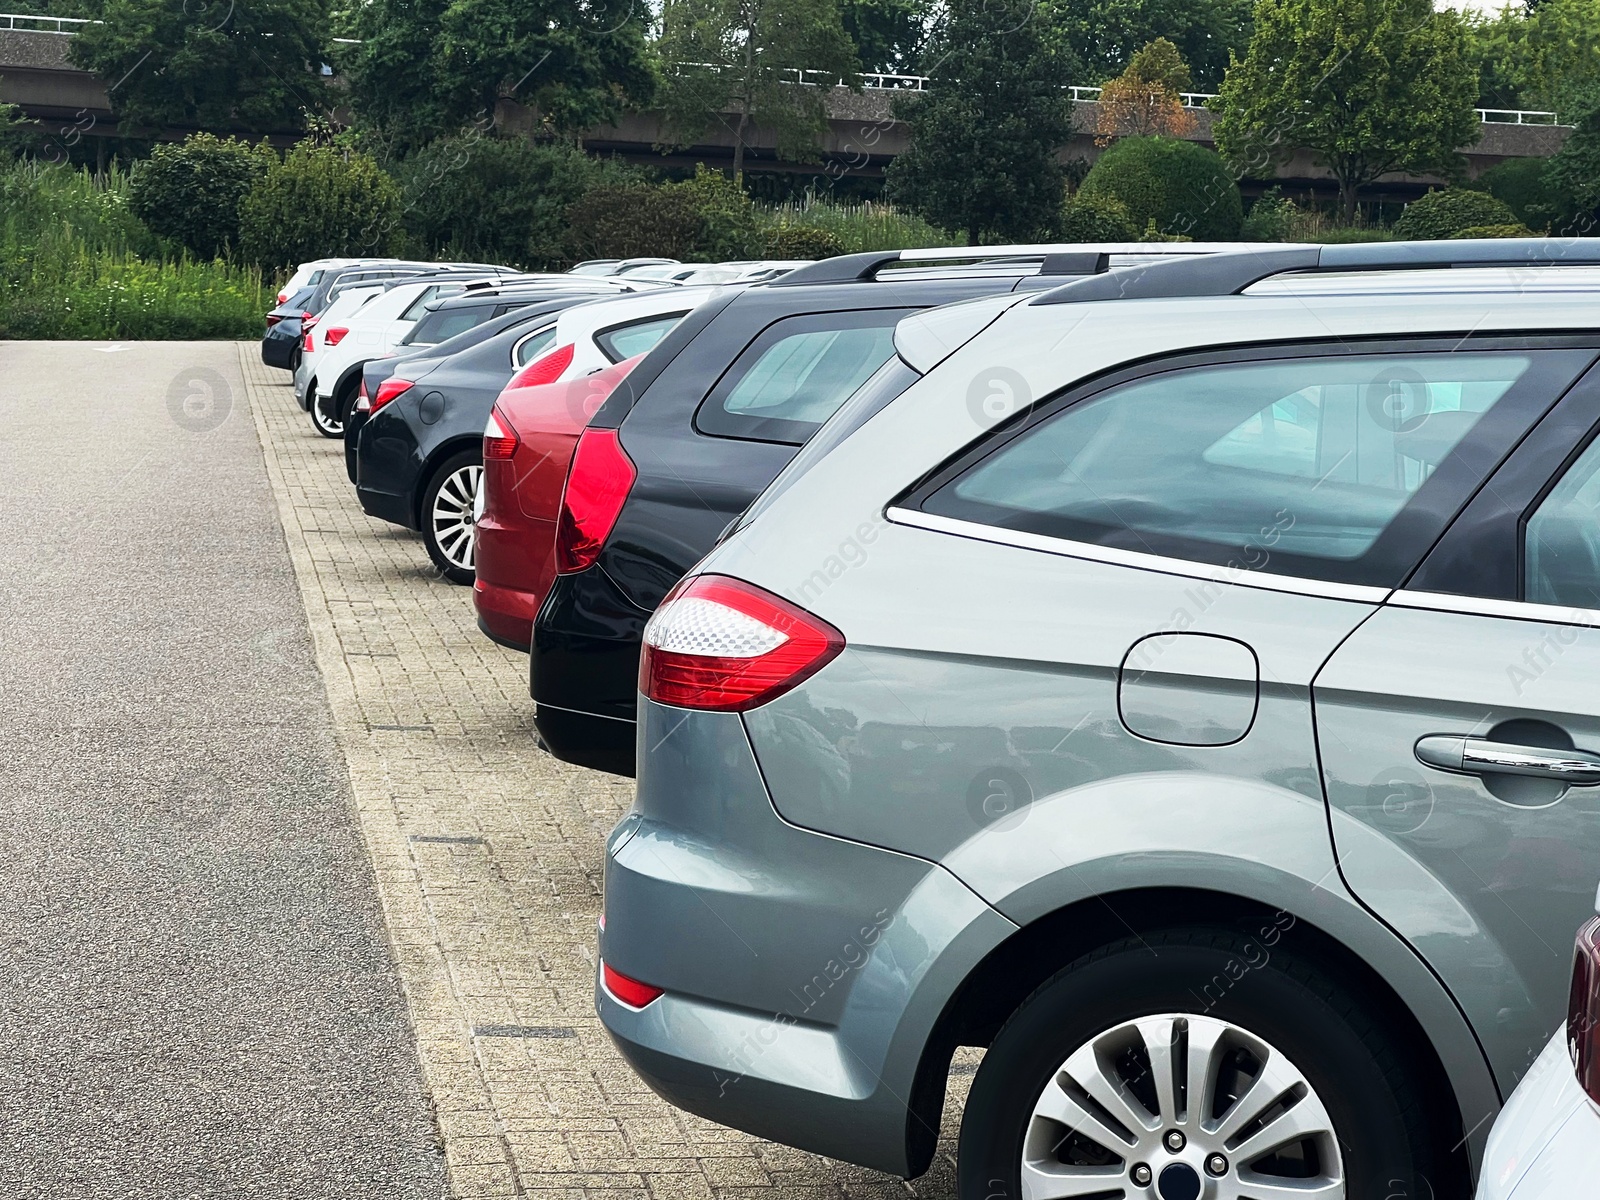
863	134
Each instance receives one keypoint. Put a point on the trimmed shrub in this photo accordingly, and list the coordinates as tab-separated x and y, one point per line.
492	199
320	201
800	241
190	191
728	227
1445	214
1095	218
1271	218
1494	231
1183	187
632	220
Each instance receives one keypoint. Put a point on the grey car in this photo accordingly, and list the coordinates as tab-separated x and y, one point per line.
1184	690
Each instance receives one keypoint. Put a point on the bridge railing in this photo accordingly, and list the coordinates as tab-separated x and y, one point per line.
30	24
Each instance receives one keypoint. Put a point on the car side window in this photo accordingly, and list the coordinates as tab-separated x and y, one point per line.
797	373
1561	540
639	337
419	307
1300	466
530	347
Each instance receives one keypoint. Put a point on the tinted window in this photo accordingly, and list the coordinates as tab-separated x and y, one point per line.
625	341
1299	466
1561	544
797	373
418	308
439	326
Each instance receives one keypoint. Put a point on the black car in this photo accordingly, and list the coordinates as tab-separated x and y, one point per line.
702	426
423	440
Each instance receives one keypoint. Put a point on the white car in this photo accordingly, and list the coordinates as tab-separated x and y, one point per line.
590	337
1546	1143
309	273
336	316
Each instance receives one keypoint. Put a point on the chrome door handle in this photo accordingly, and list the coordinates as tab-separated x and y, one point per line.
1479	756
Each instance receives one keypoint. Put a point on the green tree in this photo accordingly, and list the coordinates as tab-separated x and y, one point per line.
1573	175
1369	86
734	61
190	191
429	67
982	157
247	65
1540	57
1104	34
319	201
888	34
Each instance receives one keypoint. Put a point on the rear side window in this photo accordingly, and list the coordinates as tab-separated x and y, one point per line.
418	308
442	326
797	373
535	344
1342	468
1561	544
640	337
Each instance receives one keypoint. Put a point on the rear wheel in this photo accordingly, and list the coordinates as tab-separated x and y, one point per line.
1196	1065
448	519
326	418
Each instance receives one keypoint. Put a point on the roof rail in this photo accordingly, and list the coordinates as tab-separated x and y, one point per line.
1065	258
1229	273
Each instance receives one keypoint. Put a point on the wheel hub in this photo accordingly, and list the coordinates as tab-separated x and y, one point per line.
1180	1107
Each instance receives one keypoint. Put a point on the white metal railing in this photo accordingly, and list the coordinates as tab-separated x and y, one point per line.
9	21
1516	116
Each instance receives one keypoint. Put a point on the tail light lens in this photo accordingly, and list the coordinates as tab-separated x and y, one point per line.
335	335
630	991
306	344
499	439
725	645
597	487
1583	1015
273	319
363	401
282	296
546	368
388	390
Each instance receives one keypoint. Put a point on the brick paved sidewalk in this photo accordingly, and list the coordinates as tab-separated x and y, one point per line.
488	859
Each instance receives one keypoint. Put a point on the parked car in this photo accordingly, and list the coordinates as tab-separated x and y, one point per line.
419	456
527	447
1546	1143
1184	690
704	426
335	317
324	282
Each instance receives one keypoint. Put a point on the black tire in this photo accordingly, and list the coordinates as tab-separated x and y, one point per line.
453	484
294	360
326	418
1369	1085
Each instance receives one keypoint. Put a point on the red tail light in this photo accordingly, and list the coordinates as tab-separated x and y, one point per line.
388	390
630	991
1583	1015
546	368
273	319
363	401
725	645
282	296
306	343
499	438
597	487
335	335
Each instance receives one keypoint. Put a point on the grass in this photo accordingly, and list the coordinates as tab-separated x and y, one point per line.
865	226
76	264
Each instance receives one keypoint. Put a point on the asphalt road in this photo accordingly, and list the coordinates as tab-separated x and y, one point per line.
196	995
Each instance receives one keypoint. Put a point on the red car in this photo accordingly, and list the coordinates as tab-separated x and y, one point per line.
527	448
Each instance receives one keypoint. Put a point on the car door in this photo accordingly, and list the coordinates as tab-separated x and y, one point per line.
1459	730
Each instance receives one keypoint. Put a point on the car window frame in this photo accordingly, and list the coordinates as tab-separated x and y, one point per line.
611	352
1411	535
712	420
517	345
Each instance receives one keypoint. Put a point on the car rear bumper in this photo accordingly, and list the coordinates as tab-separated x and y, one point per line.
386	506
277	348
803	974
505	614
514	569
1545	1145
585	671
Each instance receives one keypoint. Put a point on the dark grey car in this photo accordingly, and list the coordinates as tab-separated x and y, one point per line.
1185	691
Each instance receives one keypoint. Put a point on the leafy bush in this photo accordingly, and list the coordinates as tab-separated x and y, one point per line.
1525	185
728	227
494	199
1183	187
800	241
37	197
190	191
1097	218
319	201
632	220
1271	218
1445	214
1494	231
1339	234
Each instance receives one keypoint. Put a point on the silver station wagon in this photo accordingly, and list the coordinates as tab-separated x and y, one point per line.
1187	689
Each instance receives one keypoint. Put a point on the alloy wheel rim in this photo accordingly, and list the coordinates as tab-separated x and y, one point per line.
453	521
1180	1107
320	415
